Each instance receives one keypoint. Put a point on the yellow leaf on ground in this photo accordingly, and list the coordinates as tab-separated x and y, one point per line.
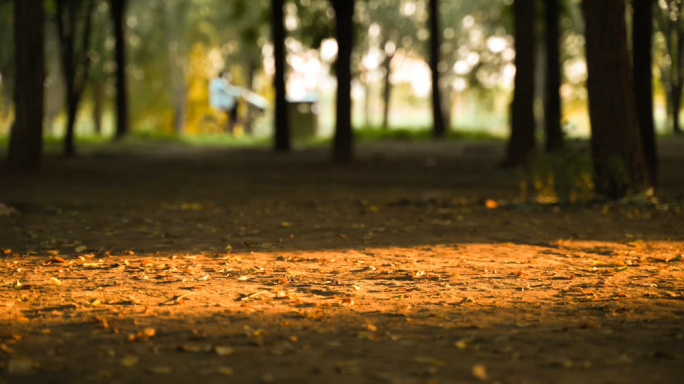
55	281
162	370
429	361
21	366
130	361
223	350
228	371
81	248
480	372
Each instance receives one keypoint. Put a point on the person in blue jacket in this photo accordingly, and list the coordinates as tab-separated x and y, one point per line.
223	96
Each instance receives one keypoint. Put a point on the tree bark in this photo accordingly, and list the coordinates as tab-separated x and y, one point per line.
26	142
676	108
344	134
387	92
98	101
282	136
619	166
642	56
367	104
439	129
552	107
176	70
118	16
251	74
522	142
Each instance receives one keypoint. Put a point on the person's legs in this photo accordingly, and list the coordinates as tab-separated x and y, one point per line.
232	119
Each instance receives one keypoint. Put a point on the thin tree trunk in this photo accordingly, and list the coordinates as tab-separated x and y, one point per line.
118	16
439	130
447	107
98	96
282	136
26	142
522	142
619	166
72	110
387	92
676	108
367	106
177	73
75	63
642	56
344	134
552	107
251	74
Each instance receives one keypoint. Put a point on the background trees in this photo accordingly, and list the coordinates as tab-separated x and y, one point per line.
436	65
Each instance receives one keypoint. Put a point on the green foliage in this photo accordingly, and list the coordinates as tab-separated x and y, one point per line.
563	177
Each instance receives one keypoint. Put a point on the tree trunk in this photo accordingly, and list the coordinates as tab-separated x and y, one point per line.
176	70
72	110
552	108
118	16
251	74
676	108
367	106
387	92
26	143
619	166
282	134
642	56
439	130
447	107
98	101
344	134
522	142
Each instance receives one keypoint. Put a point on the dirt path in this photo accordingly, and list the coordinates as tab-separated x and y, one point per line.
240	266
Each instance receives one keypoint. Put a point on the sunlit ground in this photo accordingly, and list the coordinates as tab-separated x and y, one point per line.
168	263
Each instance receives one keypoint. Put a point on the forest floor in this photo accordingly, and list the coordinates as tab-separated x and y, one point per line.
173	264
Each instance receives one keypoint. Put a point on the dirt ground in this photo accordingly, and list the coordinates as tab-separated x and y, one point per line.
170	264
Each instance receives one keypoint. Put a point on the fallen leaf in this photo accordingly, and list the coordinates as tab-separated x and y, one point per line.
130	361
223	350
676	258
523	324
55	281
55	259
161	370
21	366
621	269
429	361
348	367
228	371
480	372
81	248
195	348
149	332
18	285
491	204
53	252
